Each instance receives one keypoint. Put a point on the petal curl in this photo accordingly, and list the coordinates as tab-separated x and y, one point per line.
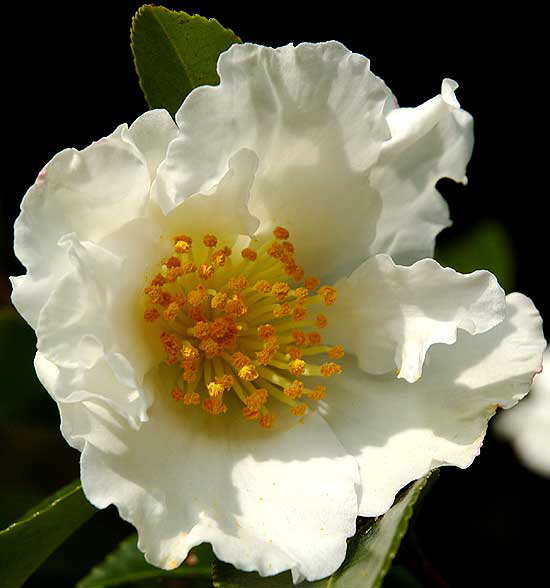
152	132
389	315
90	193
183	479
429	142
90	333
224	209
313	114
399	431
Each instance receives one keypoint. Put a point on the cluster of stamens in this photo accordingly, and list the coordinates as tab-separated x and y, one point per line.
236	323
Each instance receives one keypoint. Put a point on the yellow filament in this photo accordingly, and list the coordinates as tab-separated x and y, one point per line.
244	329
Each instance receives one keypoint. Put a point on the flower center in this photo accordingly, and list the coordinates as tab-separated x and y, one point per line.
235	323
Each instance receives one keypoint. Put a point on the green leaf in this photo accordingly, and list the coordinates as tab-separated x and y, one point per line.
486	246
27	543
368	559
175	52
127	565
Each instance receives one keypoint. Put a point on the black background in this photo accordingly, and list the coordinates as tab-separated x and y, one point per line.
68	79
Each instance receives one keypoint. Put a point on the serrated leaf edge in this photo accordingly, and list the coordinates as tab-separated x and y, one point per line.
154	8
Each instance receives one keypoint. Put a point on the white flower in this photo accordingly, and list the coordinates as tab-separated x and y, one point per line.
528	425
153	391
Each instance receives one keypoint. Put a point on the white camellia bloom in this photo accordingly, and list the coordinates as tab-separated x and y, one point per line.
194	287
528	425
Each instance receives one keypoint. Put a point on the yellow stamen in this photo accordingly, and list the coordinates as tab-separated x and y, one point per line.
182	247
244	332
248	372
205	271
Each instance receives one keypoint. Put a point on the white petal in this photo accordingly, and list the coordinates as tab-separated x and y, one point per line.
91	331
399	431
151	133
103	381
222	210
430	142
313	114
389	315
90	193
527	425
266	501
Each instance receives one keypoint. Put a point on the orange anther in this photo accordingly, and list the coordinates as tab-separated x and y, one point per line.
173	262
206	271
219	258
330	369
299	313
214	406
201	330
226	381
191	398
238	284
299	337
151	315
267	420
301	294
184	238
280	290
262	286
318	393
250	414
321	321
329	294
336	352
297	367
281	233
299	409
314	338
218	300
249	254
294	352
215	389
311	283
189	268
158	280
171	312
177	393
240	359
210	240
295	390
248	373
265	331
281	310
276	250
182	247
288	247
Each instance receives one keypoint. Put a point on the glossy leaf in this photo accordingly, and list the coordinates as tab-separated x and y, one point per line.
175	52
127	565
25	545
369	556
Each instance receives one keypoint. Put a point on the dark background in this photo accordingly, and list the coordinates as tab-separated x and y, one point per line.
69	79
